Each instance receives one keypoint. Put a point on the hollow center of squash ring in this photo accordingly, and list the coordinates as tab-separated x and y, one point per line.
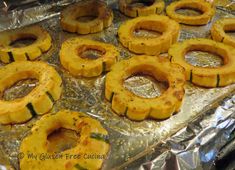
19	89
145	86
204	59
149	29
62	139
189	12
91	52
147	33
87	18
23	40
140	3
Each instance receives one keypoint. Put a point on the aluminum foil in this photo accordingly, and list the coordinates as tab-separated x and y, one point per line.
149	144
196	145
28	12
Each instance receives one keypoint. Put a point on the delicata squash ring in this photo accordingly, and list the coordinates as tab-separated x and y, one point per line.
98	9
204	76
39	101
9	53
218	31
201	5
154	7
93	141
72	60
150	46
138	108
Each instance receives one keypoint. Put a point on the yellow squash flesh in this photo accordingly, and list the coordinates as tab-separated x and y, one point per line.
71	59
126	103
218	31
134	11
9	53
153	45
98	9
206	76
93	141
206	8
39	101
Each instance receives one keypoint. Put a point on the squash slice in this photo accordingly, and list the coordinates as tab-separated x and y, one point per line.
218	31
206	76
127	104
89	153
72	60
205	7
98	9
153	45
154	7
9	53
39	101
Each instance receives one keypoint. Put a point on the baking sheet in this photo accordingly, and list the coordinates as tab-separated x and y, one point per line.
128	139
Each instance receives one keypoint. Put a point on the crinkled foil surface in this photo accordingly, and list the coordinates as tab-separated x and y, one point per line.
201	127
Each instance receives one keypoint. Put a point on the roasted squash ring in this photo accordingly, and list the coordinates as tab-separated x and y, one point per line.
31	52
201	5
204	76
150	46
138	108
98	9
39	101
93	141
218	31
155	7
72	60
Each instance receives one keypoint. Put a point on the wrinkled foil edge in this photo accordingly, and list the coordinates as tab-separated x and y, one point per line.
196	146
